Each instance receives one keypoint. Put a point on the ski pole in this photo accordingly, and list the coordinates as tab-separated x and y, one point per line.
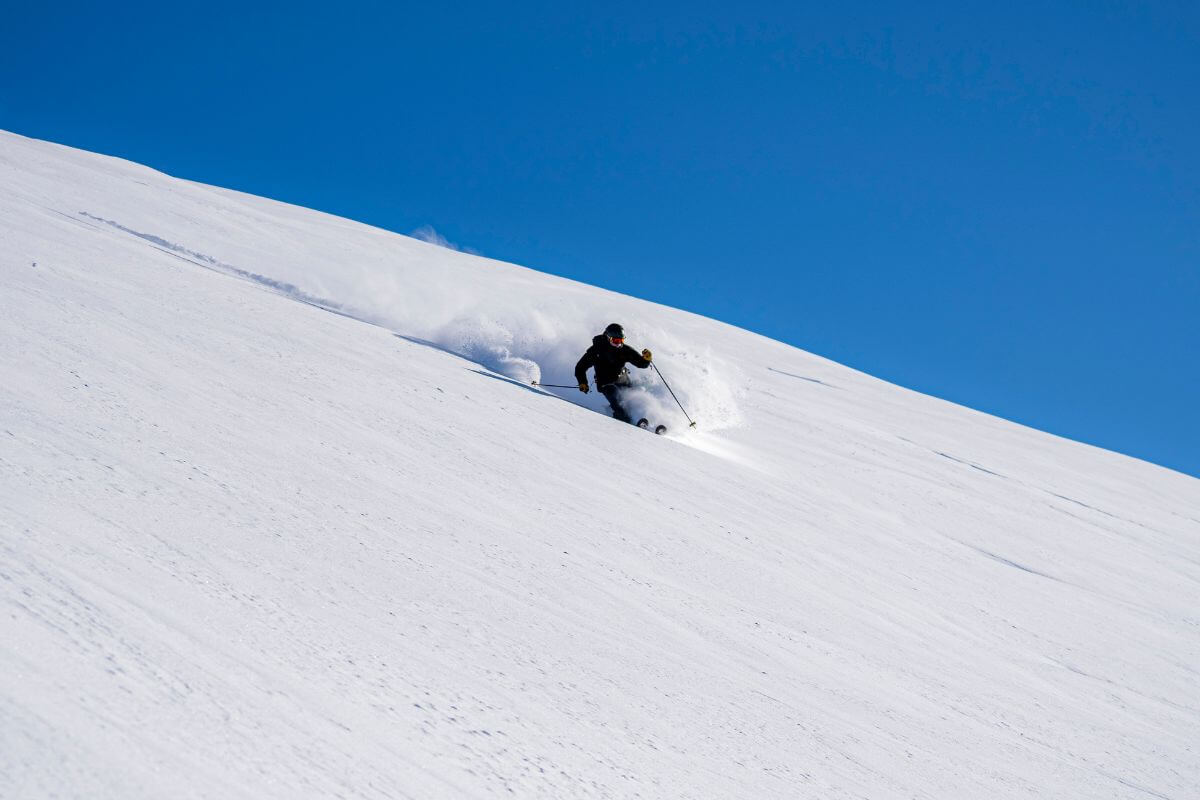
672	391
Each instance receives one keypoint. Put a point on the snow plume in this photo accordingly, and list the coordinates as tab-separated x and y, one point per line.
527	340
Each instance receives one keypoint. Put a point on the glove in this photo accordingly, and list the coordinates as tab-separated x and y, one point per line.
583	387
646	354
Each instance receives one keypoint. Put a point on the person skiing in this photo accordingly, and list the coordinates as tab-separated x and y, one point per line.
608	355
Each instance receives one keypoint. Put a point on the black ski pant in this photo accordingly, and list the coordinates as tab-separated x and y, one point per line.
612	393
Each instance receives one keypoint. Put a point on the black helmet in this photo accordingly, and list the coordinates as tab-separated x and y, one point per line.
614	331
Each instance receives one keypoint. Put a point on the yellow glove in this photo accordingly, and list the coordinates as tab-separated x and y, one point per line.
646	354
583	387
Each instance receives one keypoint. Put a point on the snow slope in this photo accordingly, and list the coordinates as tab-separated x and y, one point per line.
250	548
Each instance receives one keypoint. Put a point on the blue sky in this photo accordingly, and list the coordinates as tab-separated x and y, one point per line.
998	204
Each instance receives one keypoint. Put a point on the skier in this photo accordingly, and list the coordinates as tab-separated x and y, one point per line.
609	354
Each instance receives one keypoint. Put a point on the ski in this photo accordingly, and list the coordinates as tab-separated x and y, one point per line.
644	424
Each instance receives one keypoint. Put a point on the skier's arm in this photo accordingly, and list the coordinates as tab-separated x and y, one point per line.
582	367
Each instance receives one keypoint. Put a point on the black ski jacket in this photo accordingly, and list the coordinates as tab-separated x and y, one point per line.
609	362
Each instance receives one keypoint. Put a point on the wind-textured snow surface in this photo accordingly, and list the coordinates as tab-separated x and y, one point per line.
281	517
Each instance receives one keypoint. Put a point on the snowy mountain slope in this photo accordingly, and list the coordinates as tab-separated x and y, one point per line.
252	548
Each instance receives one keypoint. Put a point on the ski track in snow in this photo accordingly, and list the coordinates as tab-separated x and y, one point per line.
252	549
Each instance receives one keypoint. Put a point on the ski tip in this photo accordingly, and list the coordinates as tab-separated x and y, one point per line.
660	430
643	423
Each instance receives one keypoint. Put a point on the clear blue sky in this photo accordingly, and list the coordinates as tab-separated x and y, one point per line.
995	203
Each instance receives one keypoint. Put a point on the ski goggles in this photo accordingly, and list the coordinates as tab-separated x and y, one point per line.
616	341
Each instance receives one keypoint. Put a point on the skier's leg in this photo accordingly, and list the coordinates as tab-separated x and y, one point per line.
612	393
